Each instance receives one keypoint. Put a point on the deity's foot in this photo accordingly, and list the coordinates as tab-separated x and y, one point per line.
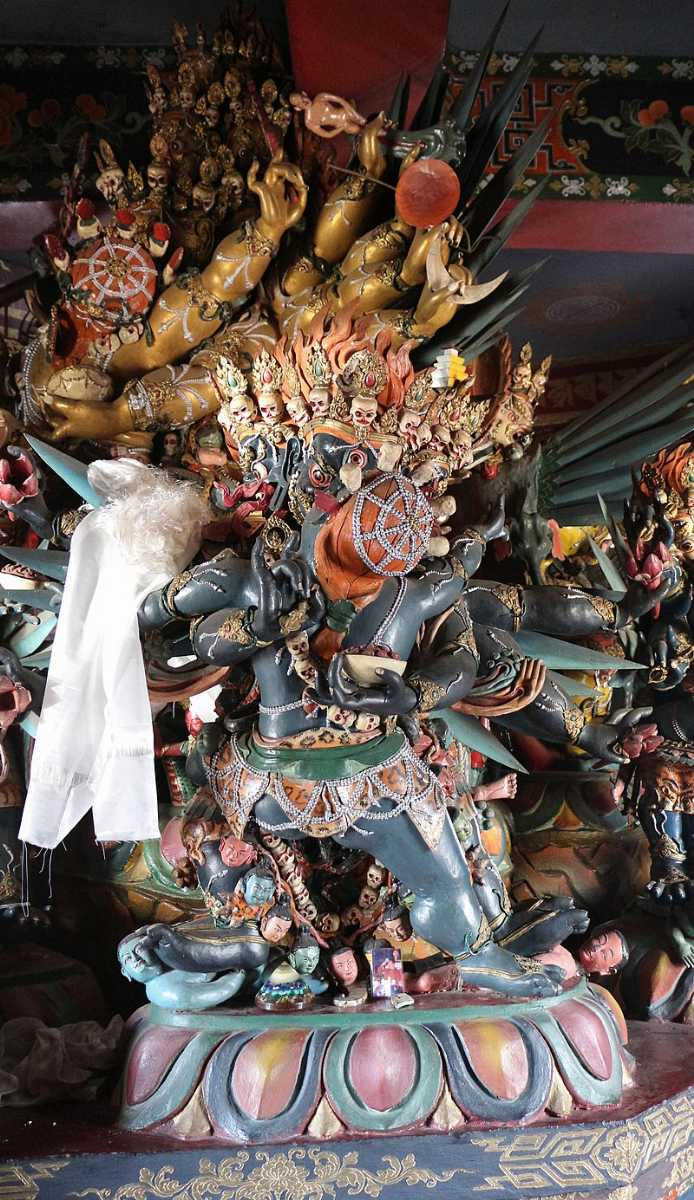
540	927
510	974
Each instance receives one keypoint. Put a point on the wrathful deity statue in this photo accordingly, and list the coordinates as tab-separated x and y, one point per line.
336	419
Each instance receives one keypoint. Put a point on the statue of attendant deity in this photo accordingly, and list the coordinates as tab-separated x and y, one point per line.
660	534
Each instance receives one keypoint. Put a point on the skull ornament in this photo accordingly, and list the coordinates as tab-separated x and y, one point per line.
363	412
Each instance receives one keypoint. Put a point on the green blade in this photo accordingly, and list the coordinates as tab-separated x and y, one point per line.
489	126
68	468
468	730
629	387
431	103
558	655
29	638
488	202
608	568
462	106
40	598
492	242
572	687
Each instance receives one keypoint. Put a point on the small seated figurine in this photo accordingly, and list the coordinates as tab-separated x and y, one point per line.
327	115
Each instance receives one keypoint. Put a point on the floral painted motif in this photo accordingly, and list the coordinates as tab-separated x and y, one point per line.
12	103
51	97
281	1177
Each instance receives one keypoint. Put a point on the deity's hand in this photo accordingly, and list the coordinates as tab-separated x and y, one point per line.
494	525
641	599
411	157
446	236
391	697
669	664
624	737
288	600
282	195
370	149
76	419
204	747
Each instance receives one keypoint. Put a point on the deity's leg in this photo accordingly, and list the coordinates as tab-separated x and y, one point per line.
446	912
667	839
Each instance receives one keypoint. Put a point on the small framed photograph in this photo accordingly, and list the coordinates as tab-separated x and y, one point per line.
387	976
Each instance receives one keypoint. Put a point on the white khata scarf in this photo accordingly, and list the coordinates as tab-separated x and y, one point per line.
95	743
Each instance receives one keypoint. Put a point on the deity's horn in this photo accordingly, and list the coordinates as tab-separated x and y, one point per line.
489	126
488	246
644	409
487	203
473	293
629	450
430	106
627	389
397	110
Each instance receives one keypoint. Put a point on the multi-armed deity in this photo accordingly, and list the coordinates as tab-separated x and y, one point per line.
326	388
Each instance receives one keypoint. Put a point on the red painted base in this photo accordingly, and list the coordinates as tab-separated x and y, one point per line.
234	1077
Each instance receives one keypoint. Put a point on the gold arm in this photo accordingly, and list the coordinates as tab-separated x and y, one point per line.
387	241
166	398
348	210
171	398
188	311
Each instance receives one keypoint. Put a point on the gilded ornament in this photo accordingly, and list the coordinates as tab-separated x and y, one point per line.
605	609
293	621
511	596
266	374
574	721
177	584
430	694
205	301
234	629
365	374
69	520
257	246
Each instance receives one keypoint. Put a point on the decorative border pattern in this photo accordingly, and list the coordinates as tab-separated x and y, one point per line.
650	1157
589	1157
624	130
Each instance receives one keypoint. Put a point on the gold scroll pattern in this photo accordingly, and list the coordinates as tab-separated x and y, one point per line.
294	1175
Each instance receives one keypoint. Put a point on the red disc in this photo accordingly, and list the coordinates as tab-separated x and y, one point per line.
118	276
427	192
